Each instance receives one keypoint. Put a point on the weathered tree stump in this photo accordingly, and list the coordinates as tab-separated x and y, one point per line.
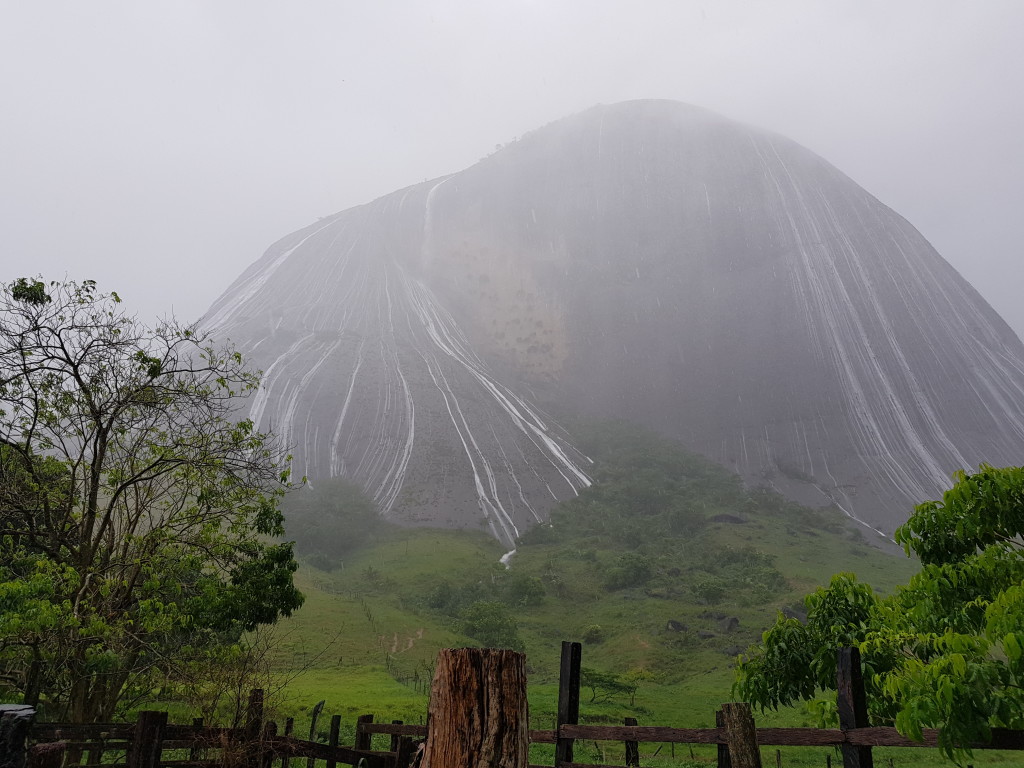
15	720
741	735
478	715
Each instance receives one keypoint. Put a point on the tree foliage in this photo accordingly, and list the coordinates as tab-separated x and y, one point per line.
492	624
606	686
945	650
136	510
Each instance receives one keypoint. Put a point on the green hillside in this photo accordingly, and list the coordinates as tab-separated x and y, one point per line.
665	569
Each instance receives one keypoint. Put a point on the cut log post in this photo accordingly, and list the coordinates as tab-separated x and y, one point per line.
478	717
741	735
568	699
852	705
15	722
723	749
147	743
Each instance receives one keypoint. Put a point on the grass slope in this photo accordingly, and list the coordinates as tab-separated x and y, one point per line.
667	568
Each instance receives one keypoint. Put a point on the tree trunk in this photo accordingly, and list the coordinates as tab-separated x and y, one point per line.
478	715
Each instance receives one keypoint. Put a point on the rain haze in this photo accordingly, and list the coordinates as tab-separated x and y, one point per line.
160	147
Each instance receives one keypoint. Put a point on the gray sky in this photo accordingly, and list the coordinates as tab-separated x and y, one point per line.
160	146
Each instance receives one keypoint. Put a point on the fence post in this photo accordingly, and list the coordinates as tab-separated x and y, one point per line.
289	726
395	738
194	752
147	742
568	699
333	736
15	722
478	711
254	714
267	753
95	753
317	709
723	748
363	738
741	735
852	704
47	755
253	725
405	752
632	747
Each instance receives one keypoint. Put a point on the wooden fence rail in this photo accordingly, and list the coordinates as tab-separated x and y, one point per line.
255	745
855	738
258	744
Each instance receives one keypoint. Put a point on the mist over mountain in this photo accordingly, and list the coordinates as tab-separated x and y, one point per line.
648	261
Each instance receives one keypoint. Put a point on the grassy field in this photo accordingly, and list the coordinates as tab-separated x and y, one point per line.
336	647
666	570
362	626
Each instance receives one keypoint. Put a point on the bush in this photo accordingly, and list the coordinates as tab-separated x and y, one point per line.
593	634
630	570
452	601
710	590
521	589
492	625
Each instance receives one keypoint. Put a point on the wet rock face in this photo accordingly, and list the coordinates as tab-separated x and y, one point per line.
648	261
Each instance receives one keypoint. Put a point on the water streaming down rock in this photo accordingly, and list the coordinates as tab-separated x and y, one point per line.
649	261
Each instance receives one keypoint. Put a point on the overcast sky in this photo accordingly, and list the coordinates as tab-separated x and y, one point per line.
160	147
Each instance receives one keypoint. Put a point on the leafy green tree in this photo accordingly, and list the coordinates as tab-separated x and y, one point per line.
492	624
605	686
945	650
136	510
520	589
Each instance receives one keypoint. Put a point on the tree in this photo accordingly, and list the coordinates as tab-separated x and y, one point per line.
605	686
136	512
492	625
945	650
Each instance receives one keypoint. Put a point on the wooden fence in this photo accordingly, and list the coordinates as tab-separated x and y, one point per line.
735	734
152	742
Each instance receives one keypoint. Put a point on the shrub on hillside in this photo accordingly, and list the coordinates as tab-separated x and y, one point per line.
492	625
630	570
